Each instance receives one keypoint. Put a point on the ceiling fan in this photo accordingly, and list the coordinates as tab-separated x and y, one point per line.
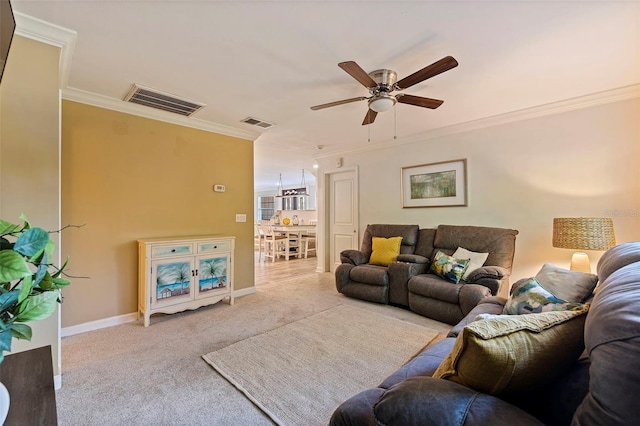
382	82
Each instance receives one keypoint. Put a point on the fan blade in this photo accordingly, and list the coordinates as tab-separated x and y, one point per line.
419	101
370	117
444	64
344	101
358	73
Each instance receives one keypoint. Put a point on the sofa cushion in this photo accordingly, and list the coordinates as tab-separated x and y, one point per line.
498	242
370	274
612	339
572	286
529	297
517	353
409	234
476	260
448	267
384	250
618	257
434	287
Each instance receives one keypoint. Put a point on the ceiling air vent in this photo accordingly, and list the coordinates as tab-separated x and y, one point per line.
258	123
159	100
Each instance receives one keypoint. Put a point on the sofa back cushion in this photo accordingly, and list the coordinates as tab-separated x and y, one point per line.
617	257
500	243
612	340
424	247
409	234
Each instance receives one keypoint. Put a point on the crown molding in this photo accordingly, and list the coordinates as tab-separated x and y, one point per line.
89	98
46	32
65	39
581	102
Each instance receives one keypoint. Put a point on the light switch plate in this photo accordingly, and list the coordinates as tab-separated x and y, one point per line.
219	188
241	217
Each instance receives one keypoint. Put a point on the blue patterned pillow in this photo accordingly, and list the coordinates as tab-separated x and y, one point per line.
448	267
529	297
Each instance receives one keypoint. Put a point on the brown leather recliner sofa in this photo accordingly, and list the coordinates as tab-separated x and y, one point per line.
407	281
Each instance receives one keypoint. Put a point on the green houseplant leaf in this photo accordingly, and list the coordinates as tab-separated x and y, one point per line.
37	307
25	288
21	331
31	242
8	227
8	299
28	291
12	266
5	339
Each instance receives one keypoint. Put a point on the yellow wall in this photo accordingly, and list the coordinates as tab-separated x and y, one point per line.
29	155
126	177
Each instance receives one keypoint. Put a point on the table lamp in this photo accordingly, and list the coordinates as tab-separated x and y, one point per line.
583	233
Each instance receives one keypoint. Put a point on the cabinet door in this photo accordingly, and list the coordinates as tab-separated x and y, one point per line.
171	281
212	275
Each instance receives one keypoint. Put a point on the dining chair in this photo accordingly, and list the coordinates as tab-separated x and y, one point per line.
308	238
258	239
274	244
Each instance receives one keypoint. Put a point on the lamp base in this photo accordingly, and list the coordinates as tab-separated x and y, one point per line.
580	262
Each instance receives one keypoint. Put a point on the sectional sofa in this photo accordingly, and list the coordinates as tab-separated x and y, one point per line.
527	369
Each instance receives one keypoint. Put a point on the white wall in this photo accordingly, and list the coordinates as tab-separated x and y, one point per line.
521	175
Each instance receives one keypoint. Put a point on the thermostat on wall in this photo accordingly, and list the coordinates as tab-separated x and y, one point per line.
219	188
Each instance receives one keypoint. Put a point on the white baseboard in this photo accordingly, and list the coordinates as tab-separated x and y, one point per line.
97	325
244	291
122	319
57	381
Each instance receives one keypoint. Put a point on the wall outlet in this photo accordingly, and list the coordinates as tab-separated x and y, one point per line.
219	188
241	217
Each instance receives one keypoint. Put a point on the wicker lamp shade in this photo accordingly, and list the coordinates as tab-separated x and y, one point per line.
583	233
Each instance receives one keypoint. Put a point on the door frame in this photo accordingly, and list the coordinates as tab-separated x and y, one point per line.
324	202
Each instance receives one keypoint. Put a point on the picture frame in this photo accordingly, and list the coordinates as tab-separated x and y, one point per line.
442	184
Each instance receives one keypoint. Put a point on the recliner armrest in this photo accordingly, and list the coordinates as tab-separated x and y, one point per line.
428	401
495	272
355	257
412	258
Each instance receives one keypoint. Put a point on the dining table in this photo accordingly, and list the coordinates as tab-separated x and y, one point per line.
293	232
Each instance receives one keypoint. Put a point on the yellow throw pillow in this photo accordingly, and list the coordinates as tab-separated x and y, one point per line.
385	250
510	353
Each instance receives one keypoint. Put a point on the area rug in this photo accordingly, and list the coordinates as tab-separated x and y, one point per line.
299	373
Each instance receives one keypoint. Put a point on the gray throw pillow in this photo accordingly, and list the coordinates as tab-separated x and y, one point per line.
572	286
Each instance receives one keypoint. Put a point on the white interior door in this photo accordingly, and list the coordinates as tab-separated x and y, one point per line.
343	214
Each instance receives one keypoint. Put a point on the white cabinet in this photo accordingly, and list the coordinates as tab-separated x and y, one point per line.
180	273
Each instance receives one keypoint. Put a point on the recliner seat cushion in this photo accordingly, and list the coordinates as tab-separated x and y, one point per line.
370	274
434	287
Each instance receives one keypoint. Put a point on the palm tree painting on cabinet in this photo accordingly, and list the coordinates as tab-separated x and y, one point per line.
173	279
213	273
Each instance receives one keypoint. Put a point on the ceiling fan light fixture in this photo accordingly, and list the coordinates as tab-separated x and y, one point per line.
382	103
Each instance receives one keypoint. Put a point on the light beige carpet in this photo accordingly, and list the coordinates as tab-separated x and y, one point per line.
299	373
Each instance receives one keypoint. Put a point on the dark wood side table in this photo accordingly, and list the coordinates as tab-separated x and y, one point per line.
28	377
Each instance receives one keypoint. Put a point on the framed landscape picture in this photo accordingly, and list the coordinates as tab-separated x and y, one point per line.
441	184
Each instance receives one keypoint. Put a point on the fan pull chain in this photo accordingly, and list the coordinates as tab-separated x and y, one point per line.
395	123
369	132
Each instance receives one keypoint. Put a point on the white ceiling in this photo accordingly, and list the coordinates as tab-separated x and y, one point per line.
274	59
